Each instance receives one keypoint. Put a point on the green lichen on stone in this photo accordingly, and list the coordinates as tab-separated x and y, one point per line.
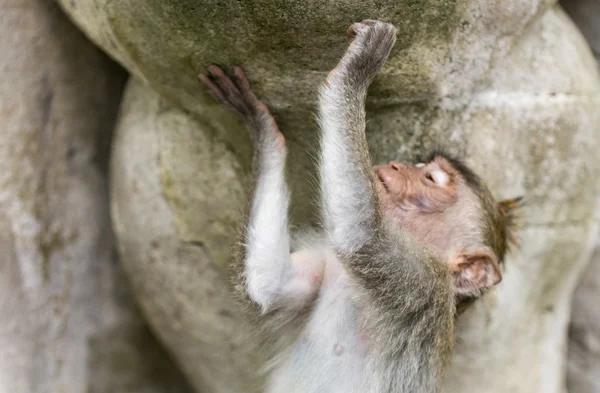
170	42
465	75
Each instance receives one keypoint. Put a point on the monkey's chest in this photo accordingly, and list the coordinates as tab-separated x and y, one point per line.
329	355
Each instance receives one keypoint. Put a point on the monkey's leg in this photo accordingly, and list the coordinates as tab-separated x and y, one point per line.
349	201
271	277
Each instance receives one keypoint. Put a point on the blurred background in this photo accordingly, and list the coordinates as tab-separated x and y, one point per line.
121	180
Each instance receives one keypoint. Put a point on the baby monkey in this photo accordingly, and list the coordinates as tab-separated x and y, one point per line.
370	305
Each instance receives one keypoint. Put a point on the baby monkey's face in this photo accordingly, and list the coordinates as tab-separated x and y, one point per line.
430	187
425	198
433	201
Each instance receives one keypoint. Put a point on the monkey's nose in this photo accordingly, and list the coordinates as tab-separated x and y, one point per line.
396	165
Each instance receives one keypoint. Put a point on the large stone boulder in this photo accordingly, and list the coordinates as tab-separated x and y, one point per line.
175	195
67	319
584	333
512	87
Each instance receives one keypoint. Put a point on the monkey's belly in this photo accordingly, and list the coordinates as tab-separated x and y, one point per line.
329	356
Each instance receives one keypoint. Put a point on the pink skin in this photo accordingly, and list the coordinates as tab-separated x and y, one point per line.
405	187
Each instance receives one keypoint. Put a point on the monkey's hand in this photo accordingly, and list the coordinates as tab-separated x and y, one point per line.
239	98
369	50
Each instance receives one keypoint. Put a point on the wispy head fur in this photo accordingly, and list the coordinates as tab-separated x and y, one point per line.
499	219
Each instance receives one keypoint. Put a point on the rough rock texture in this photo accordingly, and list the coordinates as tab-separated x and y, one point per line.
584	335
511	85
67	320
175	194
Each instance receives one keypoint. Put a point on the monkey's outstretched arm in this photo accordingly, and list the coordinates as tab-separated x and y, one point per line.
269	275
393	268
350	204
407	288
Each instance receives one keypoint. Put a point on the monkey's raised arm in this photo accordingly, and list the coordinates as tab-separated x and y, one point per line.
350	205
408	288
394	269
267	273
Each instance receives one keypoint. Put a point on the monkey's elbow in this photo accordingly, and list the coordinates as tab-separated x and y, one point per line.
263	298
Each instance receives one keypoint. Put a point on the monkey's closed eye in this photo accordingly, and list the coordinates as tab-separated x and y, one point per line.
438	177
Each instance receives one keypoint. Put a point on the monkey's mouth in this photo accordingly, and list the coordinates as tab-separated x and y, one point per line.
382	180
383	183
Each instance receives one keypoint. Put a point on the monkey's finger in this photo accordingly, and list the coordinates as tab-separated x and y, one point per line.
351	31
212	88
230	90
223	80
244	84
241	77
356	28
216	92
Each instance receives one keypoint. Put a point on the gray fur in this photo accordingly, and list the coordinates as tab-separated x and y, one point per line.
382	319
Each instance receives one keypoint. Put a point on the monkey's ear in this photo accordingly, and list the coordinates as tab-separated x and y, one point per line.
474	272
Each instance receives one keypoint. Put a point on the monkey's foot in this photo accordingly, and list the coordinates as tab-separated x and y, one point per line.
239	98
369	50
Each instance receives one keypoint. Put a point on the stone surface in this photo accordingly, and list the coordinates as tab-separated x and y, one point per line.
584	334
67	319
511	86
175	194
583	373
